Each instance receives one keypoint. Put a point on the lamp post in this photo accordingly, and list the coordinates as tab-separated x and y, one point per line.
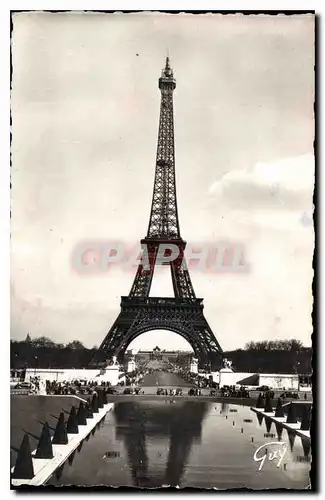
15	369
35	357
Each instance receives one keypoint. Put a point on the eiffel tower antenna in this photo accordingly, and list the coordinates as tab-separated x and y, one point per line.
182	314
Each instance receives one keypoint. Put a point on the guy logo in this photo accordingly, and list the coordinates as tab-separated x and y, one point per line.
272	455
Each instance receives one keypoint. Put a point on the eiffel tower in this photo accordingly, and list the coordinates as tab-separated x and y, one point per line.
182	314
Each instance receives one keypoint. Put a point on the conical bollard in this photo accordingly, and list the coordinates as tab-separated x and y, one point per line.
59	471
268	405
44	448
81	415
306	446
306	418
279	430
60	434
89	411
259	402
71	457
292	418
268	424
94	403
24	464
279	409
292	437
100	399
260	418
72	424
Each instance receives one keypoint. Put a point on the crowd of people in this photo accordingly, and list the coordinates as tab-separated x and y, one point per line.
234	392
172	392
74	387
194	392
133	390
89	387
35	384
195	379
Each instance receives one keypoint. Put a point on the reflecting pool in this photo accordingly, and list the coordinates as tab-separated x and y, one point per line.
190	444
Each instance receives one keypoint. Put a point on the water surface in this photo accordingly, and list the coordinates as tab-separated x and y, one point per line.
190	444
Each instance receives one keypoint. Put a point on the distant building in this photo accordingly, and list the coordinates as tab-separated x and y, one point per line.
161	355
156	354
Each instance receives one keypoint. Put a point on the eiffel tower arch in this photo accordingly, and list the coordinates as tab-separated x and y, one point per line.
183	313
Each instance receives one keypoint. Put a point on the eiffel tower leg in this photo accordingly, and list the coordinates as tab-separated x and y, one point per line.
210	345
110	345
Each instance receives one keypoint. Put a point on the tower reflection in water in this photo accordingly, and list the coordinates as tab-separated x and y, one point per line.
179	423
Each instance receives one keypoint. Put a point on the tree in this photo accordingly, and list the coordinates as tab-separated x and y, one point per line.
274	345
28	339
75	344
295	345
43	342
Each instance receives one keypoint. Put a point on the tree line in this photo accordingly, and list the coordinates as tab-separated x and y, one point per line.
273	356
285	356
42	352
275	345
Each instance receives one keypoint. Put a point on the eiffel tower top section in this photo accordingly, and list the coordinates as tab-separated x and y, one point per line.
167	78
163	222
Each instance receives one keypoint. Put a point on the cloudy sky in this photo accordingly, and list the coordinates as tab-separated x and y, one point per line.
85	108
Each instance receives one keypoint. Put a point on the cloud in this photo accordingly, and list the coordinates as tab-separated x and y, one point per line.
286	184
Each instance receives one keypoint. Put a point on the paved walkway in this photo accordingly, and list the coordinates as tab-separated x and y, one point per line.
164	379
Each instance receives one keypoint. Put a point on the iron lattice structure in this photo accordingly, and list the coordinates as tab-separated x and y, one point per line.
182	314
